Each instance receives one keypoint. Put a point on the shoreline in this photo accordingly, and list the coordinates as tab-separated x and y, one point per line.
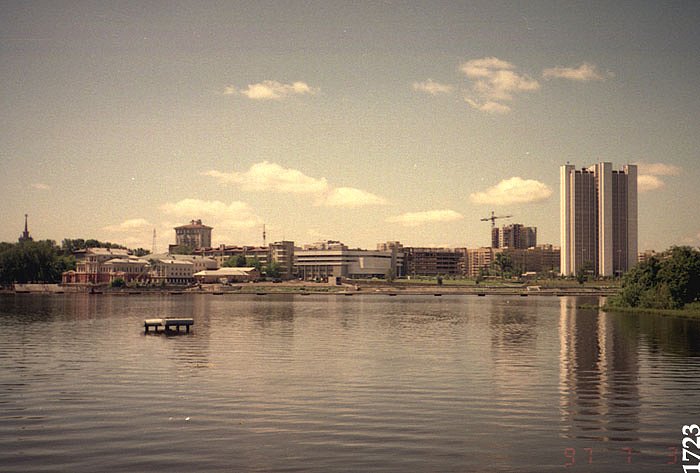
270	288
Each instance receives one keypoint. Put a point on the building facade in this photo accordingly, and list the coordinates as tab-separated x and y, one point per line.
515	236
598	208
193	235
431	261
342	262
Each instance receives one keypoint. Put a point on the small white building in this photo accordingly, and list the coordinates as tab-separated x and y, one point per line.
171	271
227	275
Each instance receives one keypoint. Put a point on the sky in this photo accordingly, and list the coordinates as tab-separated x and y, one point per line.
362	122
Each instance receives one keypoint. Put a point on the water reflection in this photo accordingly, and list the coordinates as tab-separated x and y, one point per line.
598	376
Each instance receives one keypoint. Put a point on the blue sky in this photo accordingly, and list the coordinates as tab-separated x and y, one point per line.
357	121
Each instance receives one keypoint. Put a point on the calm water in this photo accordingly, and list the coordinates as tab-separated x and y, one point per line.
340	384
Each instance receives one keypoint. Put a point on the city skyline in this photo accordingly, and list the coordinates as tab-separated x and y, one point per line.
361	123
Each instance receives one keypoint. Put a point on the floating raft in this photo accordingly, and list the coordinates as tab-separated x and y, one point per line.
169	325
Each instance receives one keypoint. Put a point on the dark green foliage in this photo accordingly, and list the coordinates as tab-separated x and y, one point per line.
182	250
68	245
254	262
272	270
239	261
667	281
118	282
33	261
504	264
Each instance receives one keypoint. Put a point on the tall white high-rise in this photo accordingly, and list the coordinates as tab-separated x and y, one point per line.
598	219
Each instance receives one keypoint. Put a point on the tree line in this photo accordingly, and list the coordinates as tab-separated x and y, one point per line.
44	261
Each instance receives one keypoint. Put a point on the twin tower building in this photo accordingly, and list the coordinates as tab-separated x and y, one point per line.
598	219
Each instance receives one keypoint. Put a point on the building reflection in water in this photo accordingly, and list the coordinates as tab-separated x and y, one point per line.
598	376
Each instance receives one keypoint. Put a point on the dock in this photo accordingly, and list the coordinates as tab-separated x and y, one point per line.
168	325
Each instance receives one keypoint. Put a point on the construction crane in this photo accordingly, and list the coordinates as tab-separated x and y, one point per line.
493	218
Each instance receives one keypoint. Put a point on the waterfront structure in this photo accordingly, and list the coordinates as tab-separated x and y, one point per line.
598	219
91	267
338	261
170	271
515	235
431	261
226	275
193	235
127	269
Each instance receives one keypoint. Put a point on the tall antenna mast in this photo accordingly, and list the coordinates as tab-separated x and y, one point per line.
153	247
264	236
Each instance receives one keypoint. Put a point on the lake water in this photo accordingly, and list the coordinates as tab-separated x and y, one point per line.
325	383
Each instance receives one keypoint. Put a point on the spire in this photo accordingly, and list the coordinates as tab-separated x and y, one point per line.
25	234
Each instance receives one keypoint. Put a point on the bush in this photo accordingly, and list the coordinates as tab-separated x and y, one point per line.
118	282
666	282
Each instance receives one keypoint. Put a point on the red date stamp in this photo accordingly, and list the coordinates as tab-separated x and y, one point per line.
689	458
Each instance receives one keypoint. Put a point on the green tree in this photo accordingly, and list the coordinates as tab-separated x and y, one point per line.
33	261
254	262
504	264
272	269
140	252
668	281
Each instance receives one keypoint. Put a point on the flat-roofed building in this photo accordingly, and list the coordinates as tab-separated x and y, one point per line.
172	272
431	261
598	219
226	275
480	260
346	263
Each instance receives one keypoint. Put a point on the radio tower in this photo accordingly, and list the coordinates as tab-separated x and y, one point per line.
153	247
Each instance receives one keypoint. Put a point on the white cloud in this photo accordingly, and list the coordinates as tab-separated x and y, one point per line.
129	225
41	186
658	169
271	177
495	81
431	87
272	90
414	219
267	176
488	107
513	191
227	216
647	182
583	73
351	197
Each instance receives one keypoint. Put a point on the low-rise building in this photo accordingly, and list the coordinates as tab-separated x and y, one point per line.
227	275
90	267
431	261
337	261
172	272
